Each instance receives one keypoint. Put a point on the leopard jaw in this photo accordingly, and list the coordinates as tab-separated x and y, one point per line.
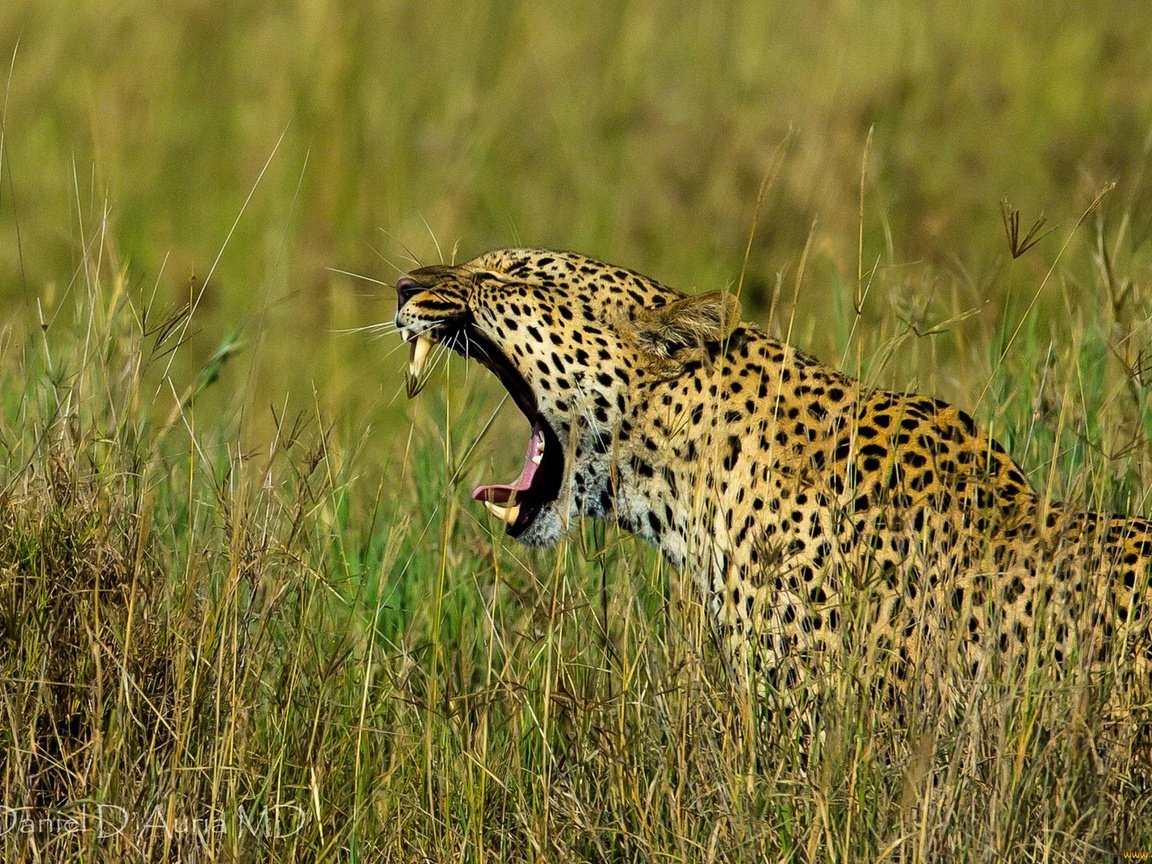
415	378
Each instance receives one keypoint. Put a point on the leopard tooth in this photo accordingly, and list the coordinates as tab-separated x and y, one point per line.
507	515
420	350
421	347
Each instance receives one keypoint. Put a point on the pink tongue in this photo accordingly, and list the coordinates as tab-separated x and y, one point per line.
501	493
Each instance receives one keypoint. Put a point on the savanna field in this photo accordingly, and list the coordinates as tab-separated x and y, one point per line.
248	611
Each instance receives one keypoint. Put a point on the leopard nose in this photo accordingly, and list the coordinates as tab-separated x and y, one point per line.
407	288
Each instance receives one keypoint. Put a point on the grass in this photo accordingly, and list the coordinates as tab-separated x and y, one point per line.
240	579
197	634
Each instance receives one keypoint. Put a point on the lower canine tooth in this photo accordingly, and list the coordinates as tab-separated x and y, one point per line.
506	515
412	381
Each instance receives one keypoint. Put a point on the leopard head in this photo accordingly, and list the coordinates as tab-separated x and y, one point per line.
576	343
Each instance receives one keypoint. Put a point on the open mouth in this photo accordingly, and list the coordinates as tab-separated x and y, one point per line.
516	504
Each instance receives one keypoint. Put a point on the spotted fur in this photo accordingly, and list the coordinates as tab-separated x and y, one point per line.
816	515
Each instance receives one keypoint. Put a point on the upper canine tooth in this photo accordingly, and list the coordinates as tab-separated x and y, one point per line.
504	514
420	348
538	458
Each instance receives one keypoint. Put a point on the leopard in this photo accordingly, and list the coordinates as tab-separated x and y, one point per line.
817	517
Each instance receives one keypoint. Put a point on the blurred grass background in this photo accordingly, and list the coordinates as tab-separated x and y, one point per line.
236	567
635	132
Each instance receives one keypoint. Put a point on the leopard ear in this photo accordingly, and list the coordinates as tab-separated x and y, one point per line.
686	323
